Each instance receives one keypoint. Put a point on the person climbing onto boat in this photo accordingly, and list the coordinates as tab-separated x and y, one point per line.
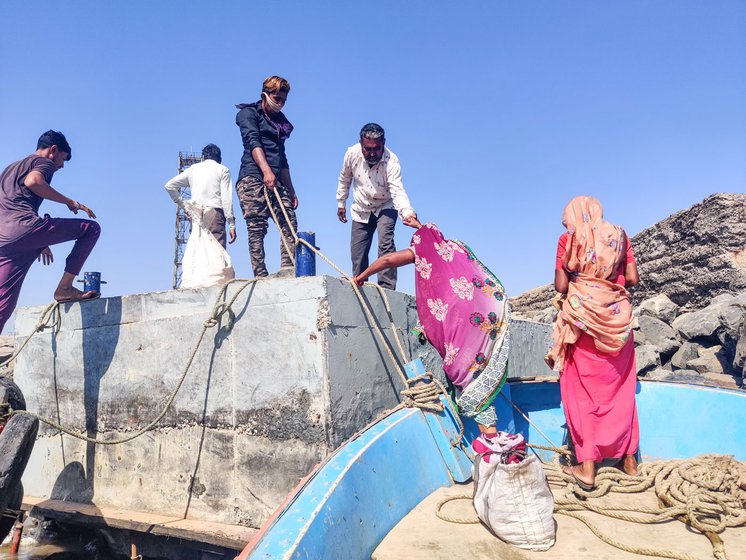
592	344
464	313
25	236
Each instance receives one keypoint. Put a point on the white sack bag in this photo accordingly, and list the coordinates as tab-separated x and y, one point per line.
205	262
515	502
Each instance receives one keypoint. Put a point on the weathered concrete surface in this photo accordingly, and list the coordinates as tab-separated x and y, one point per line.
264	401
296	370
530	342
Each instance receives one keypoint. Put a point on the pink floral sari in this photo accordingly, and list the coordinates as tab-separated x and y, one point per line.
464	312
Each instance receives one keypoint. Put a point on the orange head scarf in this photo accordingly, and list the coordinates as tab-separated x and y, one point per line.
594	305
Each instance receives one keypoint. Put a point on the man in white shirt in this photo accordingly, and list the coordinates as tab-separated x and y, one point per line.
211	186
378	196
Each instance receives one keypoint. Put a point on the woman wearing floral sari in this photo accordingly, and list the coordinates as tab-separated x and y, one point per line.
464	313
592	345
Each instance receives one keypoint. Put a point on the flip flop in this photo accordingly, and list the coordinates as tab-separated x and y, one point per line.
583	485
81	296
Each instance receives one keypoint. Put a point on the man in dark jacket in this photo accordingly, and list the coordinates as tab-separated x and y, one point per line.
264	165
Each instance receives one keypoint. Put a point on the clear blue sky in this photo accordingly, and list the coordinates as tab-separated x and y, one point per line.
499	111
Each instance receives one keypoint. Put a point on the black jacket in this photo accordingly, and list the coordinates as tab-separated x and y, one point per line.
257	131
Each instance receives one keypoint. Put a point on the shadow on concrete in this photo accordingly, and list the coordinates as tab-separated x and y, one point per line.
70	484
101	323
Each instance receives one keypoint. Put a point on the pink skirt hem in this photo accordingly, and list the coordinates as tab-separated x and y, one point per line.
598	395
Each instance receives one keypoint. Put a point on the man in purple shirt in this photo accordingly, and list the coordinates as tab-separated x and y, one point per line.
25	236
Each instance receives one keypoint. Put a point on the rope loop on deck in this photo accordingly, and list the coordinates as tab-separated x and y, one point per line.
707	493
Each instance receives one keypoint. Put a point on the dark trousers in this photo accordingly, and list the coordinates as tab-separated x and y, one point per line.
17	257
254	206
362	238
215	222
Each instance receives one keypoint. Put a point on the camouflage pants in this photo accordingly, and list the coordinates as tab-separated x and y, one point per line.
250	192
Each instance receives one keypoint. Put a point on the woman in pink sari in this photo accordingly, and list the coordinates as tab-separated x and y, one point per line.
592	345
464	313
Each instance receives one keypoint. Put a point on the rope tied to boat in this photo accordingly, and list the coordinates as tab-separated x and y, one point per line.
422	391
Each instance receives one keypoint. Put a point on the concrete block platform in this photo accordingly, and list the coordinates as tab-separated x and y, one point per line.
273	389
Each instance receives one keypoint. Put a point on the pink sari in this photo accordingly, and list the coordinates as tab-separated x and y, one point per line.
592	343
462	307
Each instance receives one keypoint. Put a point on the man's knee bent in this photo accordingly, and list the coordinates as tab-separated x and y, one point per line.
92	229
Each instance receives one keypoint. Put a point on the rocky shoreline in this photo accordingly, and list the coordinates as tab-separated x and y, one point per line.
704	346
690	305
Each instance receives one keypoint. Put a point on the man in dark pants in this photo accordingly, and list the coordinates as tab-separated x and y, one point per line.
25	236
377	199
264	165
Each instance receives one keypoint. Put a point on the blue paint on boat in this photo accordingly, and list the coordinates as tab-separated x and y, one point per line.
444	427
360	493
678	421
370	483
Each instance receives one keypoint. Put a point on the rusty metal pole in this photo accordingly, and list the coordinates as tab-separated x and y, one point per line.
15	541
135	547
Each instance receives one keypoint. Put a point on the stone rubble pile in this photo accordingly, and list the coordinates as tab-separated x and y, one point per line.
706	346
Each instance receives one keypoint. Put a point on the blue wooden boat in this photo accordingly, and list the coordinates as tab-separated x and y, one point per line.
350	502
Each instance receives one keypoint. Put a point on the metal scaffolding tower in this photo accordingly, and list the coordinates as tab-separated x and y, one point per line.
182	222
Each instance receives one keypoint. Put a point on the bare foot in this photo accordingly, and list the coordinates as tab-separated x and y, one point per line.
629	465
584	479
70	294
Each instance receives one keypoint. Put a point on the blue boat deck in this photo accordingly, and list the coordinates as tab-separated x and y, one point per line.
350	503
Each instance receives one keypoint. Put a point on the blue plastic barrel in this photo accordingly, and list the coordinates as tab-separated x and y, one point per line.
305	259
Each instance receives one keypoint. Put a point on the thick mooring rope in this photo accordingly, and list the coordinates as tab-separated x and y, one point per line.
707	493
50	311
287	218
422	391
219	309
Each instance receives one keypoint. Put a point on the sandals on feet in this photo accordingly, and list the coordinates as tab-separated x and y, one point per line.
582	484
